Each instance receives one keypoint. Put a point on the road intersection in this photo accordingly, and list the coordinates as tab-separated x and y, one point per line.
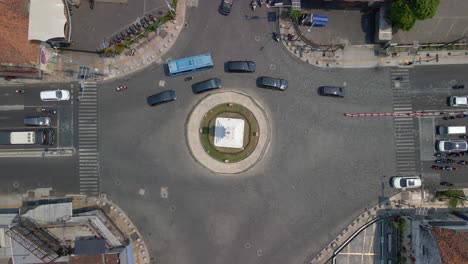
320	171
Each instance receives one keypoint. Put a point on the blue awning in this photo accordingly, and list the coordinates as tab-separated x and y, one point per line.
319	20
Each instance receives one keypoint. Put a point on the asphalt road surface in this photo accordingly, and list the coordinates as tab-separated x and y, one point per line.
321	170
20	174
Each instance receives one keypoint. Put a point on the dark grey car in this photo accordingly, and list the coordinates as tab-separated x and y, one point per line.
37	121
163	97
207	85
273	83
331	91
241	66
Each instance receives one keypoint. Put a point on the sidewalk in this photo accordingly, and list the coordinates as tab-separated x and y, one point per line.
362	56
147	50
402	200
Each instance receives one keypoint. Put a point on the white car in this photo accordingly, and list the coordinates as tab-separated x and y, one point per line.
458	101
55	95
452	145
402	182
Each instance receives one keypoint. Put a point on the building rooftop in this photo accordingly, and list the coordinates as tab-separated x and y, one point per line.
14	23
453	245
229	132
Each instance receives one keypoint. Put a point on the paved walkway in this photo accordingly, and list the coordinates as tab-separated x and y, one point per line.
193	133
362	56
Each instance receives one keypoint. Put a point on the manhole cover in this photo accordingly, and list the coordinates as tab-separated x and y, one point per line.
272	67
247	245
16	185
257	38
259	253
117	182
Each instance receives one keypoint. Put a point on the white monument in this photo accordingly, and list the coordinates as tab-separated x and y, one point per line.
229	132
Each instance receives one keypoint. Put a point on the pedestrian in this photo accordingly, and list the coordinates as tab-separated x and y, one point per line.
19	91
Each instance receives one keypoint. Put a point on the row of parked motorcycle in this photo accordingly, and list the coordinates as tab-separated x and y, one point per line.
131	30
445	158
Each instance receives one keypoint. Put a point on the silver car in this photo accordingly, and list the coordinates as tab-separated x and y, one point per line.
37	121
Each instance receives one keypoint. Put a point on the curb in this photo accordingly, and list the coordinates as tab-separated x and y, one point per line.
37	153
198	153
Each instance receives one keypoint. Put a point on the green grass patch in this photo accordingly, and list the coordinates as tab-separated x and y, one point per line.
207	128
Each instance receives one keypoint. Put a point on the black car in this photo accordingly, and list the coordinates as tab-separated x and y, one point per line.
332	91
273	83
207	85
241	66
225	7
37	121
163	97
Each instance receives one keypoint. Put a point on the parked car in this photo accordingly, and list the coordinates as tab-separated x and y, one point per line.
163	97
458	101
241	66
207	85
451	145
273	83
225	7
55	95
331	91
402	182
37	121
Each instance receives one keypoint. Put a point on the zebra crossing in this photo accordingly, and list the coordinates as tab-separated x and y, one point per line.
88	139
404	126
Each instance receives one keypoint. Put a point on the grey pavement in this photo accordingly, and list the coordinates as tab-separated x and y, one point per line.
91	27
276	212
322	168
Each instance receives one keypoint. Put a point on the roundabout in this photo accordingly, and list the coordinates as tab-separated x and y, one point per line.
228	132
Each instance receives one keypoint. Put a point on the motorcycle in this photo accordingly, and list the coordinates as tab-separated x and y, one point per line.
19	91
456	87
91	4
276	37
120	88
444	161
454	154
435	167
400	78
440	155
448	184
188	78
253	4
448	168
464	137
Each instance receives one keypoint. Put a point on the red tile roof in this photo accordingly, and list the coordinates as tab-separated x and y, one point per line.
16	48
453	245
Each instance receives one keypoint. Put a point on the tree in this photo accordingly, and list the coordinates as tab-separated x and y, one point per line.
423	9
402	16
293	14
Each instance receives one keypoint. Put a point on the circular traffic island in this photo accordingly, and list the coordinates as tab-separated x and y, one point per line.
228	132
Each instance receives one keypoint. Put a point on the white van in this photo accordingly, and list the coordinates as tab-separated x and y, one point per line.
451	130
